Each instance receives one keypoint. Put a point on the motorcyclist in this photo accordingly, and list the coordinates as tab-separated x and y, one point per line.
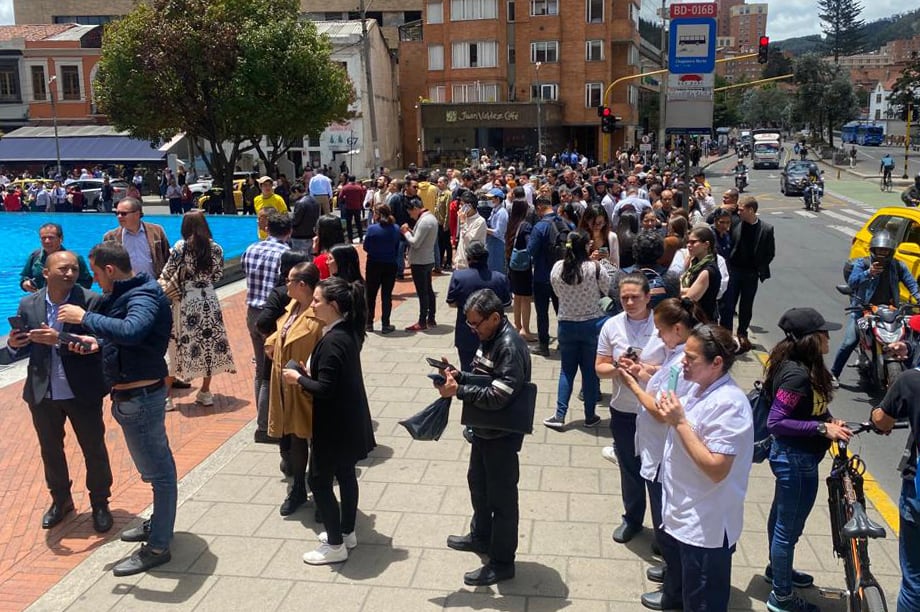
875	280
813	181
911	195
741	169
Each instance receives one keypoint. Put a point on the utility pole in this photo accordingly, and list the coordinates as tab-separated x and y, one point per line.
369	83
910	110
539	111
663	83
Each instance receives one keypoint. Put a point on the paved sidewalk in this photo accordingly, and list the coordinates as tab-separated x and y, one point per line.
233	550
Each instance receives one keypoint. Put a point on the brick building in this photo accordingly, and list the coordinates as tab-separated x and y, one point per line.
492	74
746	23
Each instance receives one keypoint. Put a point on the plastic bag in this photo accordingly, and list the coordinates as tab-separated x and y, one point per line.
431	422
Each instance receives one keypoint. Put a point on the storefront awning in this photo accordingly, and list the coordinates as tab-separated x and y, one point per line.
78	149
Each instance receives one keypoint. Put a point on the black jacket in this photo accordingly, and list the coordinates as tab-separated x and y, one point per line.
84	372
764	247
306	214
505	359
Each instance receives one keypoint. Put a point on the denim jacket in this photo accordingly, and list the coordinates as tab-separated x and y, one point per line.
864	284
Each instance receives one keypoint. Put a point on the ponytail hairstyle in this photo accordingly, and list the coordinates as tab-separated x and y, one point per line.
576	252
672	311
384	215
349	298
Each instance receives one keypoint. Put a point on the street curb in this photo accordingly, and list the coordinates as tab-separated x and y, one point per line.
873	492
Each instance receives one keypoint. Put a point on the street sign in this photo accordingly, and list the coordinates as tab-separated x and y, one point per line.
691	64
685	10
690	86
692	45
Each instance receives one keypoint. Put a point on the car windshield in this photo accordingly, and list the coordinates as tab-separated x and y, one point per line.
797	167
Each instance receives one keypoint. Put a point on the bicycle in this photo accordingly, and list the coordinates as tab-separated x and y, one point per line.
885	183
851	528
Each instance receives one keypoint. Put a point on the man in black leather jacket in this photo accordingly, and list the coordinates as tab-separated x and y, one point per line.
501	370
911	195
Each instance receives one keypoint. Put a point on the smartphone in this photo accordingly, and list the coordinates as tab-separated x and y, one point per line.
293	365
18	324
604	251
633	353
67	338
438	379
673	378
439	364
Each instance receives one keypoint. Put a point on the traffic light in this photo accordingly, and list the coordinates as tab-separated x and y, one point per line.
763	50
608	121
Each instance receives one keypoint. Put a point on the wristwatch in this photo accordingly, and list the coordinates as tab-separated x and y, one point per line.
822	429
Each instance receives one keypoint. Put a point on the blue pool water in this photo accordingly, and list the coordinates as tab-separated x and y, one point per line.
19	231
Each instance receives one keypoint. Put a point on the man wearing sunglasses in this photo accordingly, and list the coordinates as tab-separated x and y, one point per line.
146	243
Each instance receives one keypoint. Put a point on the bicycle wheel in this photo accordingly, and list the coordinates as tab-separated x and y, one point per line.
873	600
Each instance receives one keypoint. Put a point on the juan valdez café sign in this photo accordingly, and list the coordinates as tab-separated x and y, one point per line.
459	116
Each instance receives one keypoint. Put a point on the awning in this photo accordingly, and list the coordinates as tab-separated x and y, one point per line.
78	149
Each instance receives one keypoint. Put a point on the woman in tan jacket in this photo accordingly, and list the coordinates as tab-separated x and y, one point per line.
290	410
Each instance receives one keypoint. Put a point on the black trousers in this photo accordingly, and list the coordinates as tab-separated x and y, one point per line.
493	479
421	277
445	247
353	216
380	277
698	577
743	288
338	520
48	417
632	485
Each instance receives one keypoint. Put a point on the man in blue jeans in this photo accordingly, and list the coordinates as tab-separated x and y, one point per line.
132	330
900	403
540	246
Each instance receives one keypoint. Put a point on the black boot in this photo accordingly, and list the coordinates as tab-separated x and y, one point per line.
297	497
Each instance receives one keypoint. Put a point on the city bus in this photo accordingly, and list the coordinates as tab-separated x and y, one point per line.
862	133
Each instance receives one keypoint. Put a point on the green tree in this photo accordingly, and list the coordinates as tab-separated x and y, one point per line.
777	63
905	92
725	105
825	98
842	27
765	107
225	72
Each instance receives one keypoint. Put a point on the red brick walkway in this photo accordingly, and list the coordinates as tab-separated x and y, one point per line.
32	559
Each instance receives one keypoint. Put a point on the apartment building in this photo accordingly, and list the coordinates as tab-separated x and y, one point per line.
498	74
746	24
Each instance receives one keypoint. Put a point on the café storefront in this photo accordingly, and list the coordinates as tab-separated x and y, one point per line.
448	132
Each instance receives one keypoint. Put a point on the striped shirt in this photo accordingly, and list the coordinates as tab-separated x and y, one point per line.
262	264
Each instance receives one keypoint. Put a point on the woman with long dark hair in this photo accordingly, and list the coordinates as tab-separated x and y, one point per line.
579	283
627	228
701	278
605	243
520	266
342	429
329	233
198	346
381	243
343	262
802	427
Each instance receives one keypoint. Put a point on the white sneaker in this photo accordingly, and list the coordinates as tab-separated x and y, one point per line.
609	453
834	382
205	398
350	539
326	554
169	405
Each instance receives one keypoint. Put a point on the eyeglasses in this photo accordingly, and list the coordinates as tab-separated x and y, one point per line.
476	324
124	213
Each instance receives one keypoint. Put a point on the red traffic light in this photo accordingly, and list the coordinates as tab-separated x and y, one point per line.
606	112
764	41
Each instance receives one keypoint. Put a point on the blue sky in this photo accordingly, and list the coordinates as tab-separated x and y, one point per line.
785	18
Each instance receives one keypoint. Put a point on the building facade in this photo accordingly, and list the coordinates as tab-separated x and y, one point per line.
501	74
746	23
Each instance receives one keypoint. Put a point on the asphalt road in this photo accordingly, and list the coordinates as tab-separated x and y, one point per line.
810	253
869	158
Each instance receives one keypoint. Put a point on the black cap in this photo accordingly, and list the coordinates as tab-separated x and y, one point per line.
799	322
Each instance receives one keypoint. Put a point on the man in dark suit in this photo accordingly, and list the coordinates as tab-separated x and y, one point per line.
753	250
62	384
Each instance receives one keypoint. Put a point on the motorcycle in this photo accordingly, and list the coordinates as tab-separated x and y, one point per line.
885	341
812	191
741	180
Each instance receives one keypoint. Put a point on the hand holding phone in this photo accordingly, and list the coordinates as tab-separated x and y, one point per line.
18	324
439	364
437	379
633	353
68	338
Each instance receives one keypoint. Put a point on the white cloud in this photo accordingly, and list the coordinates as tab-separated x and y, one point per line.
6	12
791	18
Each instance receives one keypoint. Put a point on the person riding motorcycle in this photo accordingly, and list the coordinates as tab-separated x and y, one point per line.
911	195
813	181
875	280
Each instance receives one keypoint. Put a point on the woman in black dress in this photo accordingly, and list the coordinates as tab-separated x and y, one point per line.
520	266
701	278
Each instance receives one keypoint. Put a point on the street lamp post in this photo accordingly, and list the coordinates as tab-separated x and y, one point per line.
539	112
57	141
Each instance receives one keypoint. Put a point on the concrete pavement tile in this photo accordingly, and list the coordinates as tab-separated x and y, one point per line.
388	447
530	477
389	599
485	599
639	548
397	470
384	565
575	539
390	379
156	591
570	480
427	530
445	473
375	527
187	513
554	604
273	491
609	476
236	556
338	597
386	426
402	399
755	550
750	590
443	569
575	434
186	549
402	497
244	463
233	519
545	454
287	564
449	450
755	517
590	456
537	575
377	366
457	501
591	508
542	505
231	590
103	594
605	579
884	563
230	487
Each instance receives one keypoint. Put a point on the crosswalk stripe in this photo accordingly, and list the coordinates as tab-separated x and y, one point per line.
806	214
848	231
862	214
839	217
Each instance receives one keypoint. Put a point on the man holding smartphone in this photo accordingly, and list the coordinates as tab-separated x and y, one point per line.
62	384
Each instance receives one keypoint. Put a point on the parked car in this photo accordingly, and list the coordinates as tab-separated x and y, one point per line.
91	188
904	226
204	199
791	176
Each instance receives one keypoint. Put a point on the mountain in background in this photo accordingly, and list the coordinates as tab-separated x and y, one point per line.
877	33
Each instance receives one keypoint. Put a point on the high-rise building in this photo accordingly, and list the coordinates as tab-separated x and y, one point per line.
746	24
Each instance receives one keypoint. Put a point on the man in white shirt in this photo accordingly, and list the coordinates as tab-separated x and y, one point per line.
321	190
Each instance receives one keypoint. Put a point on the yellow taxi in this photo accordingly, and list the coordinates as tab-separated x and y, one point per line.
904	226
237	196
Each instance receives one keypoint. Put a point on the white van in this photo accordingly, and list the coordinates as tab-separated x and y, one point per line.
767	151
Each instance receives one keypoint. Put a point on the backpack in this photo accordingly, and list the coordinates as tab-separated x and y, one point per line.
559	236
759	399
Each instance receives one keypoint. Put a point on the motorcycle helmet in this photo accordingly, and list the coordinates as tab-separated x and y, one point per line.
881	241
813	169
917	180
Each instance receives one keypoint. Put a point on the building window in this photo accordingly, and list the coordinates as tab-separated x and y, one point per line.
436	12
474	92
437	93
480	54
512	55
595	11
544	7
593	94
8	89
510	11
70	82
465	10
83	19
39	85
878	114
544	91
545	51
878	98
435	57
594	50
